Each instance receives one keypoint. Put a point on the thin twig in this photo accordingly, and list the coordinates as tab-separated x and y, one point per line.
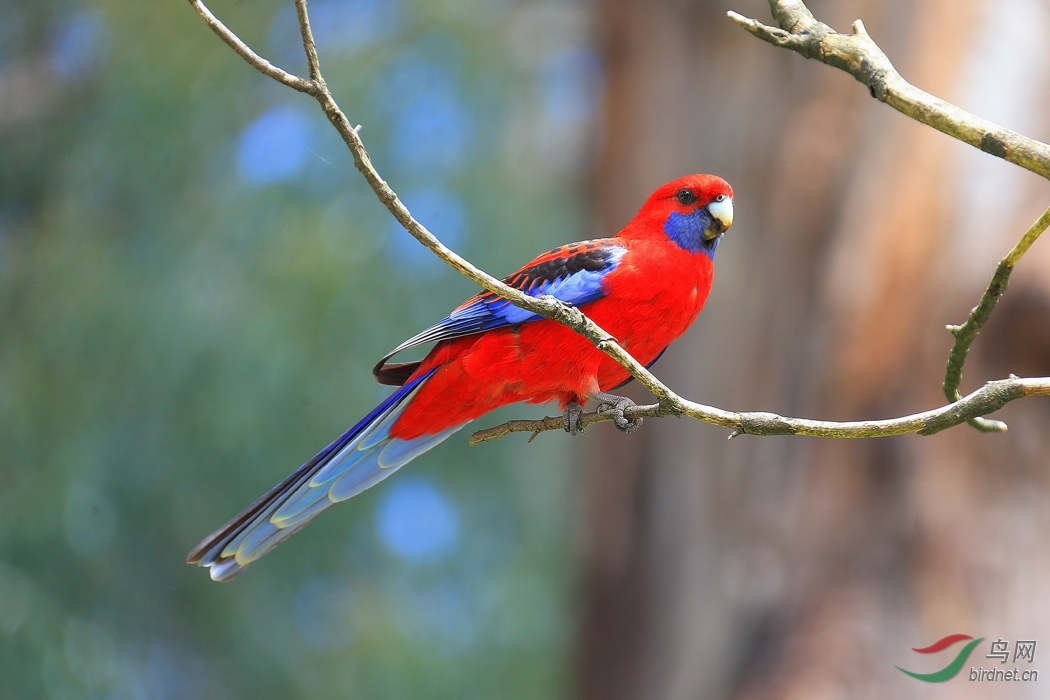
967	332
254	60
308	41
987	400
861	57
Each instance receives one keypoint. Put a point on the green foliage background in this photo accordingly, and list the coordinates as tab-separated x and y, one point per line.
174	340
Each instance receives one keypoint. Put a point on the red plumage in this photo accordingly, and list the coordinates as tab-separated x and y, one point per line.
651	298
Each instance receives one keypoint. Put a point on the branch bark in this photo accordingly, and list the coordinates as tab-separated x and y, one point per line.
858	55
986	400
254	60
967	332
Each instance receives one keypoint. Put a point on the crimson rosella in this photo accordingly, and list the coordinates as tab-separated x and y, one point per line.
645	286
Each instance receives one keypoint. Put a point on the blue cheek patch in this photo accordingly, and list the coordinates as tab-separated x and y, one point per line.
687	230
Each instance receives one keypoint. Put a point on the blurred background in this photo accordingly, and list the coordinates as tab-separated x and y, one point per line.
194	284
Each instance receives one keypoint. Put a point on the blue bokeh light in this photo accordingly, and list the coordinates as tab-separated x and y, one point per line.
570	82
351	24
339	25
415	71
416	521
79	43
439	209
431	132
274	147
431	124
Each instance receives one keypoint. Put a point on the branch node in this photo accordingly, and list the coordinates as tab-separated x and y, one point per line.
877	86
762	423
669	407
251	58
988	425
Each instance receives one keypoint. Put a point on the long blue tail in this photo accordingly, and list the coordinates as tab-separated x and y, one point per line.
362	456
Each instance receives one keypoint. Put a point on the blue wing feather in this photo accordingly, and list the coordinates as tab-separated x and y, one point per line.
574	274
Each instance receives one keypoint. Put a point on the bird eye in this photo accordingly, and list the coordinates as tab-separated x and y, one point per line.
721	198
685	196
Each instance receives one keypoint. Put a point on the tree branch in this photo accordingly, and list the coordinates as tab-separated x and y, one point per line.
989	399
308	41
858	55
254	60
967	332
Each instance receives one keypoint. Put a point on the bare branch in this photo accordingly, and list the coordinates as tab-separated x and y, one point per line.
254	60
861	57
967	332
988	399
308	40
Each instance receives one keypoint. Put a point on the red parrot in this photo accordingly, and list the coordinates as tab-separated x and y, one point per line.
645	286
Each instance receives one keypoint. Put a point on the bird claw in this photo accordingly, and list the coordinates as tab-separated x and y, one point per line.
573	421
616	404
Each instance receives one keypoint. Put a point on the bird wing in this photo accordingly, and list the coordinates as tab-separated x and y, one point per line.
572	273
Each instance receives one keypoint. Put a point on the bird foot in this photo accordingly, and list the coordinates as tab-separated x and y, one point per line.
610	403
573	422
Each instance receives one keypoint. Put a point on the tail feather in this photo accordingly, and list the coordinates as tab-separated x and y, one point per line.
355	481
362	456
308	491
397	453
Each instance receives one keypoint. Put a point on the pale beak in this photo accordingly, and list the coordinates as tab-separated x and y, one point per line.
722	212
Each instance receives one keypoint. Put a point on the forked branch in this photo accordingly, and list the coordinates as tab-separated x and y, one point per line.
858	55
967	332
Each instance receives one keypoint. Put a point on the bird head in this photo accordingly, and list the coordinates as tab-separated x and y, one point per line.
693	211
